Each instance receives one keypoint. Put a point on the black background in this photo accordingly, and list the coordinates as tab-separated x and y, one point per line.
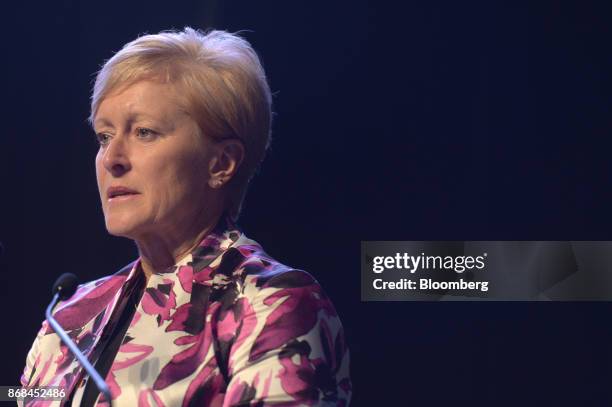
433	120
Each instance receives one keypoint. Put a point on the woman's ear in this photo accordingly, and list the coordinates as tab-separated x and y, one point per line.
225	162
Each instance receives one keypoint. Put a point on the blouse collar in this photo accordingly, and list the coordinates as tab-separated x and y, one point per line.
224	235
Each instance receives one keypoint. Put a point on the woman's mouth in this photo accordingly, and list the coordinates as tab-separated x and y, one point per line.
122	197
120	194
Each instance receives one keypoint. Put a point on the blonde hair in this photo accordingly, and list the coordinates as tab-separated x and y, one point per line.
222	79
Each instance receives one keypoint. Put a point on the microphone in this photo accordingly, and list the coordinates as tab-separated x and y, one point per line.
64	288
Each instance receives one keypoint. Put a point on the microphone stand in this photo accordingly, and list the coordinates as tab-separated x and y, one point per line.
100	383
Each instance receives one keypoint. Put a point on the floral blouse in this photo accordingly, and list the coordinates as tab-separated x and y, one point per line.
226	326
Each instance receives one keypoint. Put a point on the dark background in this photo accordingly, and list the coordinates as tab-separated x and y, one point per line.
433	120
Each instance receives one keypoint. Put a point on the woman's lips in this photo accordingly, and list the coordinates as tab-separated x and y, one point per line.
123	197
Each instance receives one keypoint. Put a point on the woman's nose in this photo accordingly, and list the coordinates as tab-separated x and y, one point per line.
116	157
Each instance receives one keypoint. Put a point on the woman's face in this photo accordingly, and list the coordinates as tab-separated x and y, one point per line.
152	166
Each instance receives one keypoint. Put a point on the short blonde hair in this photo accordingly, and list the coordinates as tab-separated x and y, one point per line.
222	79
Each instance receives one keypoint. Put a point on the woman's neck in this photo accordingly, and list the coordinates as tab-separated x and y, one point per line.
159	251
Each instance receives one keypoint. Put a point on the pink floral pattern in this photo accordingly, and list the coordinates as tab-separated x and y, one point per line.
226	326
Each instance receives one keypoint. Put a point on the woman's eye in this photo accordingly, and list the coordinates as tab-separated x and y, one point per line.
102	138
144	133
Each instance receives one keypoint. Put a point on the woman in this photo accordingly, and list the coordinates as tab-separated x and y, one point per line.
204	316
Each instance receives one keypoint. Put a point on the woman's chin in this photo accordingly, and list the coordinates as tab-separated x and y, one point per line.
125	228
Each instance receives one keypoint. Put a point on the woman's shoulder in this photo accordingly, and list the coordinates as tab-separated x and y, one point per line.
100	284
270	316
268	285
247	263
90	299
